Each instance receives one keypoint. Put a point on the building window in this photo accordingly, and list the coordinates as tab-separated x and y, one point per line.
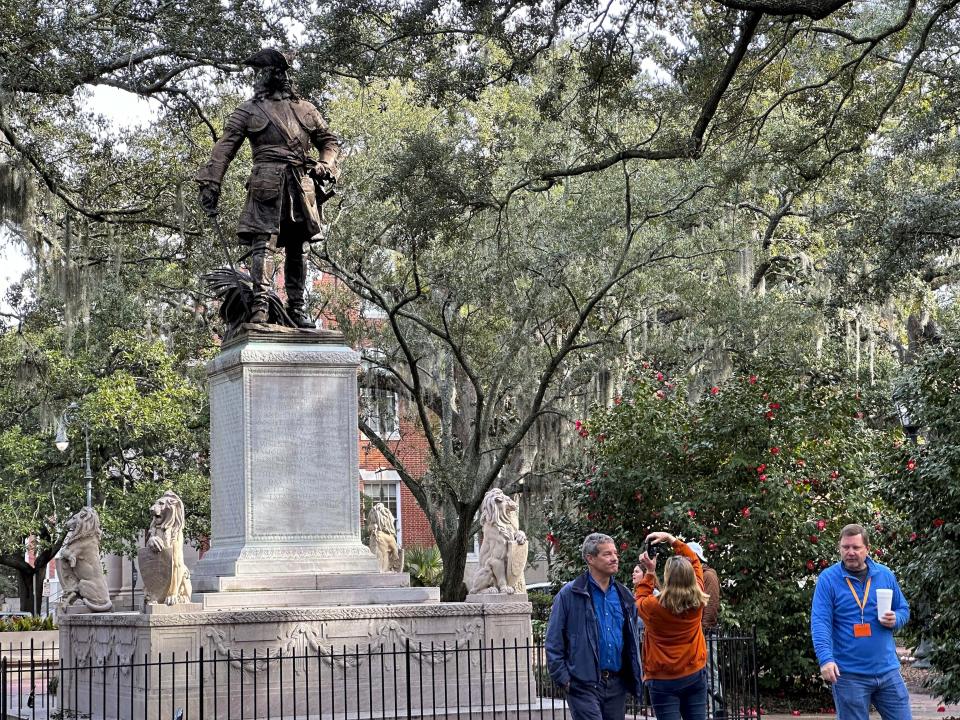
378	407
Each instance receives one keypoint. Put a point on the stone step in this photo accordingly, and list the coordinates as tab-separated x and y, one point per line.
300	581
317	598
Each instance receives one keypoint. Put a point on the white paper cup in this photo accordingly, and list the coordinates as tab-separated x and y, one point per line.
884	601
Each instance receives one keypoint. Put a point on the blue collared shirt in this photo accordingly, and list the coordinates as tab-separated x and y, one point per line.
609	612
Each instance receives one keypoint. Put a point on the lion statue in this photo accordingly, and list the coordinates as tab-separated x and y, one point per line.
503	552
79	568
166	579
383	538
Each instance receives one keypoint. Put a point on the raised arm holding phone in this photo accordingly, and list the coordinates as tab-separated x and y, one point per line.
674	649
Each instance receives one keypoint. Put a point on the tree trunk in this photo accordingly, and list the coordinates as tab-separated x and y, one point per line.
27	588
453	550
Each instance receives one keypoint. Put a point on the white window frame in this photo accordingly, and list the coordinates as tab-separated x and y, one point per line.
370	398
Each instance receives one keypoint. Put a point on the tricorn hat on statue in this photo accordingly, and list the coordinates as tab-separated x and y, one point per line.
268	57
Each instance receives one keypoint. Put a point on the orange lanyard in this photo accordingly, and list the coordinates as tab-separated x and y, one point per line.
866	594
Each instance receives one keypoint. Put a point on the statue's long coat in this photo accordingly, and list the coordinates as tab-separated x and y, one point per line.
279	189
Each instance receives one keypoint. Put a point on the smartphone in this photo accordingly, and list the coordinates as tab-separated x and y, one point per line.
652	549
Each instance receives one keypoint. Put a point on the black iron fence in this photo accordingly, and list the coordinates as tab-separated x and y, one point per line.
507	681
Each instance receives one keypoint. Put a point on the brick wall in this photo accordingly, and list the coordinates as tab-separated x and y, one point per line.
410	447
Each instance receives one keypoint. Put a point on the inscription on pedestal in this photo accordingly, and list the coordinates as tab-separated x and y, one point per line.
301	485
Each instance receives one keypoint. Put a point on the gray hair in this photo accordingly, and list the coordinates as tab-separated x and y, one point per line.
591	544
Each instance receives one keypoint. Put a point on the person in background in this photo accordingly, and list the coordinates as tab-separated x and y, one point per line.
592	640
674	649
710	623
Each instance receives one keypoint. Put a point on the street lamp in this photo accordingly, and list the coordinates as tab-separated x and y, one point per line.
62	443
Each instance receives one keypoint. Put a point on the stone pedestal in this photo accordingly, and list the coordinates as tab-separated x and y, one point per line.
283	458
437	659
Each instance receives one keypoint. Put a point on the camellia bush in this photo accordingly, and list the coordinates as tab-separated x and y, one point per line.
927	488
763	471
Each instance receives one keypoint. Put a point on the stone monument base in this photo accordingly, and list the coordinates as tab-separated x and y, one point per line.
435	659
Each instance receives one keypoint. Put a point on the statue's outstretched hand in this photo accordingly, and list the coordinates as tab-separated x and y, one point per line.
209	198
322	172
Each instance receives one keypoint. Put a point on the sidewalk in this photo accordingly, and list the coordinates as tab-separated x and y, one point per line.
922	706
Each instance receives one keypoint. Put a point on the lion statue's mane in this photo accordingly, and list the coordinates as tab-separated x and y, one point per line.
79	568
503	552
383	538
165	535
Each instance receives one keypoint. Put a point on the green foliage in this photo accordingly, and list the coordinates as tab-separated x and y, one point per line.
542	604
424	565
26	624
763	471
925	487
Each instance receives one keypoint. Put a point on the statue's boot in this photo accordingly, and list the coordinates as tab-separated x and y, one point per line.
261	272
295	281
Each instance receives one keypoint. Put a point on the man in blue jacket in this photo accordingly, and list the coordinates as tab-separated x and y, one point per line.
592	638
855	647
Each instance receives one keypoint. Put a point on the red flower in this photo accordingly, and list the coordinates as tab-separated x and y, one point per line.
692	513
763	478
587	481
660	376
617	400
770	415
938	522
821	524
646	366
712	546
878	552
552	540
911	465
714	390
601	437
774	406
752	380
584	433
913	536
774	451
593	494
578	424
660	394
623	546
823	563
814	539
745	512
941	708
801	462
761	467
858	415
716	531
810	567
834	474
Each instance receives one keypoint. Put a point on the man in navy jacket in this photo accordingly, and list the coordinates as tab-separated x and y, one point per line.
592	638
854	646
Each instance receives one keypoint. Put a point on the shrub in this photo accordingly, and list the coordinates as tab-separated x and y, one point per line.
26	624
763	472
424	565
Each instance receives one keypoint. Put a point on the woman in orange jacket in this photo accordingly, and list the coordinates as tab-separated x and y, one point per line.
674	650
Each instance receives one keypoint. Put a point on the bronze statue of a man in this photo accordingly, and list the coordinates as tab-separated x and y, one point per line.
281	209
